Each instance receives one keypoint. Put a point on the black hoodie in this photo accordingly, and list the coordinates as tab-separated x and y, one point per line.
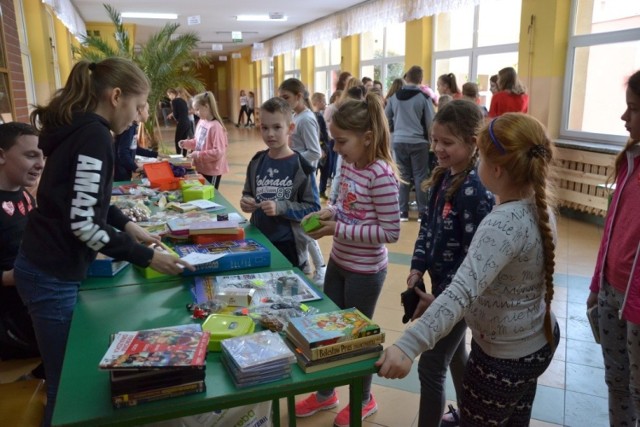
74	219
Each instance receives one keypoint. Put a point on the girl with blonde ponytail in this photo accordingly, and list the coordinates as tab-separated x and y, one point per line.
504	286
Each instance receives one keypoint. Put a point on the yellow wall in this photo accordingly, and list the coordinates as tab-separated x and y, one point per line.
44	83
350	54
107	32
307	67
241	75
419	39
542	56
63	49
278	71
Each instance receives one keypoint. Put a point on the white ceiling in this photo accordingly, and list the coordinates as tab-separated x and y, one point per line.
217	17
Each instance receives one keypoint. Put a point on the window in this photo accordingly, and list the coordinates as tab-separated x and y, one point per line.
602	32
292	64
382	54
327	62
266	79
25	55
476	42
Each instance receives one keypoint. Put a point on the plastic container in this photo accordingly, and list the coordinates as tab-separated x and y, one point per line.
161	176
223	326
197	192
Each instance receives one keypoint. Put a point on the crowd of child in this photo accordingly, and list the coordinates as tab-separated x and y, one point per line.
487	235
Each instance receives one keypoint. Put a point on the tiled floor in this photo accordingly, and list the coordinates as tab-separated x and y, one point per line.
572	391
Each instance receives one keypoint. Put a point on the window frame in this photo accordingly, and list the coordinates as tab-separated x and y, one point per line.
580	41
327	69
384	61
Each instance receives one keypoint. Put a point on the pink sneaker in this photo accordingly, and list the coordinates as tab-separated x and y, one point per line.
342	419
311	405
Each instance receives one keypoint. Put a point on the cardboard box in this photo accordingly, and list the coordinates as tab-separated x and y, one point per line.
161	176
240	297
196	192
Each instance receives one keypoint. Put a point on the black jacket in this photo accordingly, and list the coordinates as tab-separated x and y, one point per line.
74	219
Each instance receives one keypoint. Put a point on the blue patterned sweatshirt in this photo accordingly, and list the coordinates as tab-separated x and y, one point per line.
447	228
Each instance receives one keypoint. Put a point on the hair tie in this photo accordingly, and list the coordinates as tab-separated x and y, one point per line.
92	66
539	150
495	141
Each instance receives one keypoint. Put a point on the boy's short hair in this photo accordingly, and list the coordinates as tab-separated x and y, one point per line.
414	75
470	90
278	105
10	132
318	97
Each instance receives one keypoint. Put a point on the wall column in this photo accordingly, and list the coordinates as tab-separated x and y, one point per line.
419	35
351	54
307	68
542	57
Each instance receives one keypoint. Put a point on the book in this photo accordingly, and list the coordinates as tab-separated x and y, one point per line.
266	285
310	366
105	266
323	329
235	255
179	346
135	398
200	224
135	380
592	317
331	350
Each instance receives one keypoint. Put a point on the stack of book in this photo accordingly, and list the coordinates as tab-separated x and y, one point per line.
257	358
154	364
327	340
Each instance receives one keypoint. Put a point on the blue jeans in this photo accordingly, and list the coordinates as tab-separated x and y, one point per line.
413	164
50	302
348	289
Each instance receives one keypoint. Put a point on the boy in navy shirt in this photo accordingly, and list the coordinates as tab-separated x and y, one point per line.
280	188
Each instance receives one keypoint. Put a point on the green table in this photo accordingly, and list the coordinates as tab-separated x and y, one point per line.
84	396
130	276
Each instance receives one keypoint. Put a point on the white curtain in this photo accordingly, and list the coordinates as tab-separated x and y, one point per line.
356	20
68	15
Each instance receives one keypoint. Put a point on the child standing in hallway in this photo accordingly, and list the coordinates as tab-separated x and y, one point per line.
615	286
362	221
210	143
504	286
280	187
243	108
305	139
456	203
74	219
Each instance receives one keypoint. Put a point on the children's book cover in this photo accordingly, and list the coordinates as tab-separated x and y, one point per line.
327	328
171	347
237	255
285	283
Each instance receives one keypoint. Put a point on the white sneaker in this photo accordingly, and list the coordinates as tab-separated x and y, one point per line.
318	276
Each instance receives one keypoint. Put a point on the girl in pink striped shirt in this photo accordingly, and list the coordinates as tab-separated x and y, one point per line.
364	218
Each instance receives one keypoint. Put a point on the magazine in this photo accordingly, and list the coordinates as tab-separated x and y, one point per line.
171	347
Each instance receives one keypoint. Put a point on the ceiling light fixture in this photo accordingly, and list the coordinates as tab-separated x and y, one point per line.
148	15
260	18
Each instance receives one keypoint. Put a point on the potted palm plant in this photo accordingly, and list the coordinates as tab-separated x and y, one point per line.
167	59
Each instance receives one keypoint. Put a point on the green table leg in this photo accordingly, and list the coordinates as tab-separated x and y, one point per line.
275	412
291	408
355	402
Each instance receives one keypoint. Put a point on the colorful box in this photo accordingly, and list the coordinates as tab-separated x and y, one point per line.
197	192
311	223
150	273
238	255
105	266
161	176
223	326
